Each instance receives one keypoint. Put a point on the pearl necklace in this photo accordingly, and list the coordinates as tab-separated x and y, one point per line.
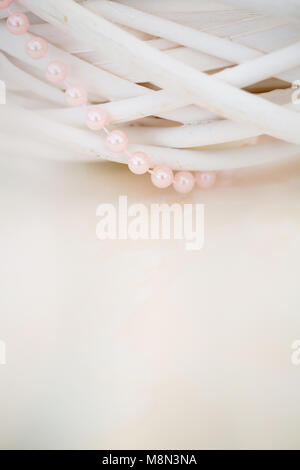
97	118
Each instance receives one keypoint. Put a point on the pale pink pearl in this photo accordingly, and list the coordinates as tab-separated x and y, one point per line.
184	182
205	179
97	118
162	176
37	48
18	23
139	163
56	72
5	4
117	141
76	95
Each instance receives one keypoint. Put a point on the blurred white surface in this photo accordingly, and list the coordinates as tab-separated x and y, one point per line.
121	344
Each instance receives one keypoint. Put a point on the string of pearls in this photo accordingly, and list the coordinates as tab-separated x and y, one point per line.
97	118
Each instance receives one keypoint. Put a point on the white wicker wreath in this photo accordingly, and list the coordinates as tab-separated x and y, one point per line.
197	84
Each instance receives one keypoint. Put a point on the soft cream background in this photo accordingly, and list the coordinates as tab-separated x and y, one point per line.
142	344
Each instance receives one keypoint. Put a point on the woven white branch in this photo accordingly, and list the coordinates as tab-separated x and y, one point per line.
100	42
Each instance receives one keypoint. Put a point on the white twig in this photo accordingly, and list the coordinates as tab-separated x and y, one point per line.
206	91
96	49
88	146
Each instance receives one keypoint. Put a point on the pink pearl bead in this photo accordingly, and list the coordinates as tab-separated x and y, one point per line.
5	4
97	118
18	23
76	95
184	182
139	163
37	48
117	141
205	179
162	176
56	72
